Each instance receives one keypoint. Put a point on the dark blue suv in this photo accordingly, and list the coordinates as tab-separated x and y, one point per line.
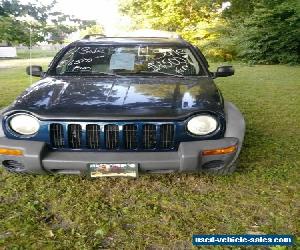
119	106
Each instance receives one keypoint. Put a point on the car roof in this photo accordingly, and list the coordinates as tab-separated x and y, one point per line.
132	41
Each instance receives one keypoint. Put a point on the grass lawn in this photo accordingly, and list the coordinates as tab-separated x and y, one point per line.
36	53
263	196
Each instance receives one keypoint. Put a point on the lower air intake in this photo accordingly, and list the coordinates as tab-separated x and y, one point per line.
13	166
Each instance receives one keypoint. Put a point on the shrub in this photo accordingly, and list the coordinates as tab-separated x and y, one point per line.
271	34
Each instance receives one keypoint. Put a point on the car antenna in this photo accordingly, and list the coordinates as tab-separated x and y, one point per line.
30	53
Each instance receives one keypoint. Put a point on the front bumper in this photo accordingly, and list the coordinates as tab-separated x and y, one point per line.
39	159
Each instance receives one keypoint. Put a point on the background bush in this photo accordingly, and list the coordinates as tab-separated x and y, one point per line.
271	34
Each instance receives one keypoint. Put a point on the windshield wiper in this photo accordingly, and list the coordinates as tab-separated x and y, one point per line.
108	74
159	73
88	73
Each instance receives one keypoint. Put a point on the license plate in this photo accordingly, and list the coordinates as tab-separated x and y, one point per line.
113	170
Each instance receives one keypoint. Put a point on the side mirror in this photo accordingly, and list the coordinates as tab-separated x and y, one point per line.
34	70
224	71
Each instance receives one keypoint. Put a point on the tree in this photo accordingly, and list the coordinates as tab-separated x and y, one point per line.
171	15
262	31
18	21
196	21
94	29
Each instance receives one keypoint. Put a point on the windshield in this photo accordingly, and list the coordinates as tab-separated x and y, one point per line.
108	60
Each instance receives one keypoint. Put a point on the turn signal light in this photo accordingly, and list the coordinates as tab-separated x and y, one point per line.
220	151
14	152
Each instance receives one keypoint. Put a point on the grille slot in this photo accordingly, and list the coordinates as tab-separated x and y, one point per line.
74	135
149	136
167	136
130	136
93	136
57	135
111	136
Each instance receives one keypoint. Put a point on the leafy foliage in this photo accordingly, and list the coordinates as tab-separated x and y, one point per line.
18	20
172	15
191	19
271	34
260	31
94	29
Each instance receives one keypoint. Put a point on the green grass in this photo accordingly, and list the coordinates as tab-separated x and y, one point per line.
35	53
70	212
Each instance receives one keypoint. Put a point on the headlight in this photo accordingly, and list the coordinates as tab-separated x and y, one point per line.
24	124
202	125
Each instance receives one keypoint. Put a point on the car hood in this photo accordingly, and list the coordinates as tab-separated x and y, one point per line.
117	98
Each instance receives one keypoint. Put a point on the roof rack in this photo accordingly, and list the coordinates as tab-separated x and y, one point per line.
93	35
98	36
132	37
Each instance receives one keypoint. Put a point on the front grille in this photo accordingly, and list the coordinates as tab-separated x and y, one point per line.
110	137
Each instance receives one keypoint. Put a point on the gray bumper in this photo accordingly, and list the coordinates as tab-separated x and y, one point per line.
39	159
